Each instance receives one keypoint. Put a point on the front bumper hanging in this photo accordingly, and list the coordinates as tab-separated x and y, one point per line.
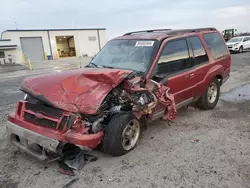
24	138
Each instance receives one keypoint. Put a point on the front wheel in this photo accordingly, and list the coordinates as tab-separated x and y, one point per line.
241	49
122	134
211	96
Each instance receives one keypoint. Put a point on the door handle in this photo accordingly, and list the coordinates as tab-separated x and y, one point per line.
191	75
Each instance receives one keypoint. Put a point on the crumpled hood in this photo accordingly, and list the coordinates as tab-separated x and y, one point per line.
81	90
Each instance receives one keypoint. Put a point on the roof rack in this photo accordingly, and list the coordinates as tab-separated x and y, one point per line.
173	32
147	31
183	31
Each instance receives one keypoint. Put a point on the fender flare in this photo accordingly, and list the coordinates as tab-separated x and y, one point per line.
215	72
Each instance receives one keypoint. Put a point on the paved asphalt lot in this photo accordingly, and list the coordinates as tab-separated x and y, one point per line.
166	155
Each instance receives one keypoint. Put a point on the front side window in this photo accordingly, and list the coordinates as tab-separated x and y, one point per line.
216	45
126	54
246	39
174	58
199	51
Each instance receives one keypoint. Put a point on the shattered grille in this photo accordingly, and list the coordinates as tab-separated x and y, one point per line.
49	111
43	122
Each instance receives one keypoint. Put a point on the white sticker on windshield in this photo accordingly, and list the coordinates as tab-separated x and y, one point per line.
144	43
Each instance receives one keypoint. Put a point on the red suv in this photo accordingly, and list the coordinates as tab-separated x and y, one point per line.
136	78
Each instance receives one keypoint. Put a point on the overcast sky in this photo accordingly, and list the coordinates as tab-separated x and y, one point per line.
122	16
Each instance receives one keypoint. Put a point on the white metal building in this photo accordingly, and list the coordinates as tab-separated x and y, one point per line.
38	45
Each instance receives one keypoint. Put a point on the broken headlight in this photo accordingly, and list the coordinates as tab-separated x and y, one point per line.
143	99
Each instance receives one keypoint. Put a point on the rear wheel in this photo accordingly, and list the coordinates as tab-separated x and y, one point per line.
211	96
122	134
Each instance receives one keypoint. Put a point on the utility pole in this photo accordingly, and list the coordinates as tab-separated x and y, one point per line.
16	24
79	53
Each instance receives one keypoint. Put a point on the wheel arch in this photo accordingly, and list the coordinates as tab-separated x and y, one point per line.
215	72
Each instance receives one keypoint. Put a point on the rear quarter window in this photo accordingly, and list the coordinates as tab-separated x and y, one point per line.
198	50
216	45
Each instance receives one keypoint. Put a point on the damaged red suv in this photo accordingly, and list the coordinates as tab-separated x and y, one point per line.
136	78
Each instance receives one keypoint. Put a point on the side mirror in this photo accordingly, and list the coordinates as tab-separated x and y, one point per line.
158	77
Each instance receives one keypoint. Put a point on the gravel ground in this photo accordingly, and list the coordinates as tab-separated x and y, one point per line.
200	149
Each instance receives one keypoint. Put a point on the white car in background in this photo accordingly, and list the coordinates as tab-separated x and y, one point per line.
239	44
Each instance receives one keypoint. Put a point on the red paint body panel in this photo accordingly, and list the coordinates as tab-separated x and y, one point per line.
204	74
87	140
194	82
84	90
80	90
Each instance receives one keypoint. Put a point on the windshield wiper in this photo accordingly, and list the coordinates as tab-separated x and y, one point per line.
109	67
95	65
138	73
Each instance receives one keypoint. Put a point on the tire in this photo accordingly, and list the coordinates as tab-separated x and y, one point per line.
119	127
206	102
241	49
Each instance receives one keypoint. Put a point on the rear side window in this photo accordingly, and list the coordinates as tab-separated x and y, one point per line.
216	45
199	51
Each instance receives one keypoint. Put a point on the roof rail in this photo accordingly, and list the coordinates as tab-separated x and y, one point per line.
173	32
183	31
147	31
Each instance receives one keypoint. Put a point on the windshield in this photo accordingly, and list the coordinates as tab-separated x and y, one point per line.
229	32
238	39
126	54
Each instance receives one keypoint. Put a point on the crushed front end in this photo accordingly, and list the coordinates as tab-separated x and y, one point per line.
78	109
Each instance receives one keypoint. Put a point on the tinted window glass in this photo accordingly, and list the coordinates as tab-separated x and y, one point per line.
199	51
216	44
247	38
174	57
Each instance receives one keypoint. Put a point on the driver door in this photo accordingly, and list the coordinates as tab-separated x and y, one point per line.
174	69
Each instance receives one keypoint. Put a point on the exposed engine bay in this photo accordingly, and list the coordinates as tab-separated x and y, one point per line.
129	96
119	100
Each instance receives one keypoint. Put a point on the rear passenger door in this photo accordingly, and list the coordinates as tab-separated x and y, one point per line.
175	67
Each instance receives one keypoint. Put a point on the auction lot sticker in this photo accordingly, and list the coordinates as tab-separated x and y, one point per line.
144	43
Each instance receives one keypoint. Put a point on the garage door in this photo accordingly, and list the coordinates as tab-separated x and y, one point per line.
32	48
